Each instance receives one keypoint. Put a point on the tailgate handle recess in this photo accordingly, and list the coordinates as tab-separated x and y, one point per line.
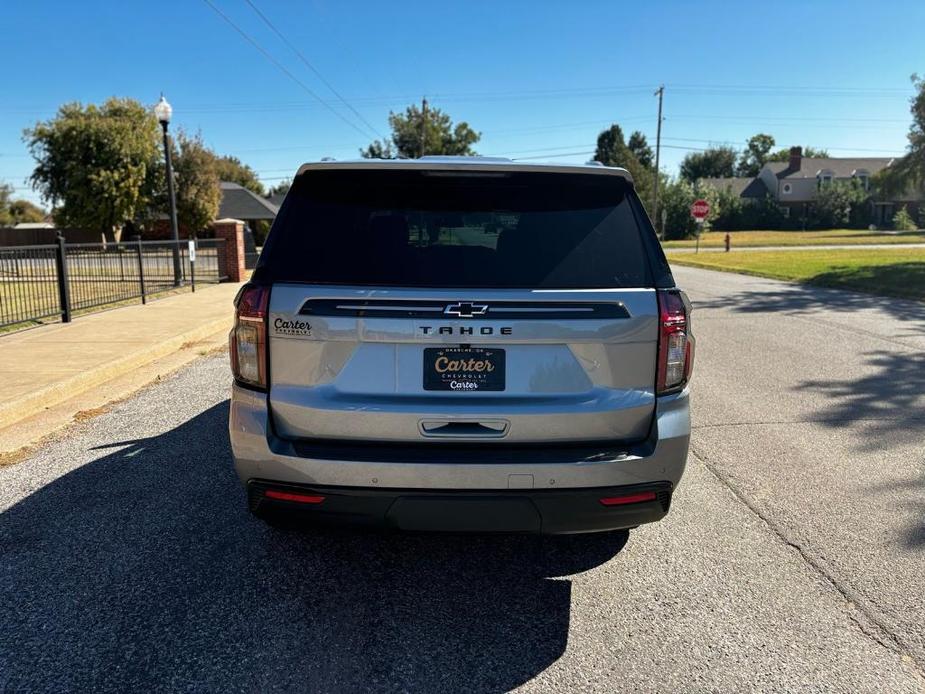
482	428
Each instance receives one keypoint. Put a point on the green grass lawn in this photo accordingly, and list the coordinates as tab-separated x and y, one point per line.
893	272
746	239
21	300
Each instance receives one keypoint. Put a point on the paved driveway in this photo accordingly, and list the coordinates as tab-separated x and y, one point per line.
792	558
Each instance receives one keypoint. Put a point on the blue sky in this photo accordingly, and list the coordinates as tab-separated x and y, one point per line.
538	79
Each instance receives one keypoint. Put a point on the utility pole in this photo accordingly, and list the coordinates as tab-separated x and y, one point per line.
658	149
423	126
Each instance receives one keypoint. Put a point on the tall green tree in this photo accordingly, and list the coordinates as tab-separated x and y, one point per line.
196	169
233	170
440	135
908	173
94	163
755	154
612	150
638	145
713	162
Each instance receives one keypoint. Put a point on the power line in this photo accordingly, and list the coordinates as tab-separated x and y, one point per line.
282	68
793	89
313	68
852	91
796	119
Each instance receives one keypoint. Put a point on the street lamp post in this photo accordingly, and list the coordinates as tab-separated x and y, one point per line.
163	111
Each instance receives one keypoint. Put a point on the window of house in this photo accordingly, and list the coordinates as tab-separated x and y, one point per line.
825	178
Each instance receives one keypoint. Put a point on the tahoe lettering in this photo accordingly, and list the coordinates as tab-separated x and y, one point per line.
465	330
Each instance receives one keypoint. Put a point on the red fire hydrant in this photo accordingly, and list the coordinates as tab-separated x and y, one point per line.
728	241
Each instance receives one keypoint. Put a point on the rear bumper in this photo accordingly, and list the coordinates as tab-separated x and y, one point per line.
261	455
538	511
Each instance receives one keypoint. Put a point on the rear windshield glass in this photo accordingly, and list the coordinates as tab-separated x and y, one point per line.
442	229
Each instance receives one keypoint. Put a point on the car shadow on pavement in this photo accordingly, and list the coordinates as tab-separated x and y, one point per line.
143	569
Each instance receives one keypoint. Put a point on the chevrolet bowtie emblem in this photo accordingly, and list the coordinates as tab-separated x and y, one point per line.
466	309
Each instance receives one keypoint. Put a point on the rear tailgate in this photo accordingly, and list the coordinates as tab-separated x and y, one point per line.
582	369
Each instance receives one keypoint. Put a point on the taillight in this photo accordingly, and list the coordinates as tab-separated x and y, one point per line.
248	338
675	342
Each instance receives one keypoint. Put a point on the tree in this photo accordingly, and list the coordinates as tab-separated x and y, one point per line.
21	211
378	149
231	169
755	155
833	203
5	192
640	148
612	150
675	202
902	220
908	173
280	188
809	152
94	163
15	211
441	136
714	162
197	177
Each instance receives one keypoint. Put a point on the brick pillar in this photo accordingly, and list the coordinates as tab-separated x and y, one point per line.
231	253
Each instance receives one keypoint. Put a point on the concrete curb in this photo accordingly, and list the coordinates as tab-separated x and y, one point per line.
57	393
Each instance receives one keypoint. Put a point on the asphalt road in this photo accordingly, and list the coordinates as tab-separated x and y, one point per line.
793	557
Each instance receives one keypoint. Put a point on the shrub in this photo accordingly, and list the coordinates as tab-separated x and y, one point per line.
833	204
902	220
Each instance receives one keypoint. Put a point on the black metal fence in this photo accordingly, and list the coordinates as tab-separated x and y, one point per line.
44	282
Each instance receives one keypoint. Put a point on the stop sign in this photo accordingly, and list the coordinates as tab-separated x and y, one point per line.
700	209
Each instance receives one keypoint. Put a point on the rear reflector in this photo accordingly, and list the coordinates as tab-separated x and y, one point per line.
293	496
629	499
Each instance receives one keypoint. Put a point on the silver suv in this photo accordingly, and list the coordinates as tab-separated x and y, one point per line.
462	344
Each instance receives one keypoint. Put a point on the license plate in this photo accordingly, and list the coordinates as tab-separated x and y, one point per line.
463	369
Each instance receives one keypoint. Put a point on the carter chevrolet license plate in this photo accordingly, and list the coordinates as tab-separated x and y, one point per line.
463	369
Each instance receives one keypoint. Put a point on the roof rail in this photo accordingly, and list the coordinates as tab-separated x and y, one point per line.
461	157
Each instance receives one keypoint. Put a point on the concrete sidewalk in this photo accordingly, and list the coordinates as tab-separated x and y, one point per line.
45	366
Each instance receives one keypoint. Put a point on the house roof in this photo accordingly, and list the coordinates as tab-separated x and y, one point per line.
744	187
840	167
277	199
240	203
